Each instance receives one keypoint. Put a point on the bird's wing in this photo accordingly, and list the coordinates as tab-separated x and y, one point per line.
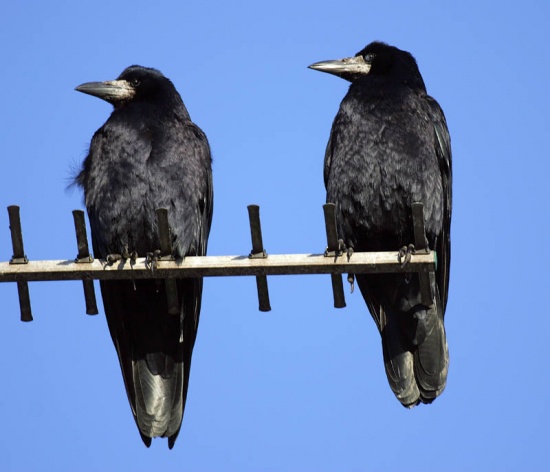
328	155
198	162
190	211
370	297
443	150
190	203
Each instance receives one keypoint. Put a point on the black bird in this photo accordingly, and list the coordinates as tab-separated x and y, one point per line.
148	155
390	147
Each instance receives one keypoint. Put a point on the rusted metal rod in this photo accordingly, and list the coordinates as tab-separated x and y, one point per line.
84	257
258	252
421	246
19	257
166	254
329	210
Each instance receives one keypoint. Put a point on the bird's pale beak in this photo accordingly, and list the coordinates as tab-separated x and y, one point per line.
349	68
110	91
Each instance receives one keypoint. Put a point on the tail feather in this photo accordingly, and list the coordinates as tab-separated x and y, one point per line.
159	399
431	358
399	364
154	349
416	356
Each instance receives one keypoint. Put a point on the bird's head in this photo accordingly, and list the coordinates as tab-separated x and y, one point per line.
136	83
375	60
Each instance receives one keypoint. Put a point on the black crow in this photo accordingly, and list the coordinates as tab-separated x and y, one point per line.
148	155
390	147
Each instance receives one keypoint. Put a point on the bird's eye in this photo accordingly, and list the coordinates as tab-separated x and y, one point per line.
369	57
135	82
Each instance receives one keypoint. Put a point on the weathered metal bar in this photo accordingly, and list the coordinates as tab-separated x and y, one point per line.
421	245
263	293
24	301
216	266
16	236
81	237
84	257
329	210
166	254
255	229
89	297
19	257
258	252
164	233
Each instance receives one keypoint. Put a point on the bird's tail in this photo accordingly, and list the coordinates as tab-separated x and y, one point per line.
416	356
158	383
154	348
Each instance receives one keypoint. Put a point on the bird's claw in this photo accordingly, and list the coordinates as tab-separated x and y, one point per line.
351	280
152	259
112	258
341	246
405	253
126	254
343	249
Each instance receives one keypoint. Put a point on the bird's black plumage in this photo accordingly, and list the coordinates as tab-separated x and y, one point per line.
148	155
390	147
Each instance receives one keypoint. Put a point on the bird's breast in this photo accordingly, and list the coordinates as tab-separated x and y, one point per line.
382	162
121	193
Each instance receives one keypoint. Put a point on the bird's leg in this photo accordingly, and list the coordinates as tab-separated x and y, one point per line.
405	253
351	281
151	259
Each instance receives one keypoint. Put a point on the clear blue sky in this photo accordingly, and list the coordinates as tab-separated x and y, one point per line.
301	388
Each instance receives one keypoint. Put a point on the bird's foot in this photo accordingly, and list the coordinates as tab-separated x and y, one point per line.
124	255
343	249
351	280
127	254
405	253
152	259
112	258
341	246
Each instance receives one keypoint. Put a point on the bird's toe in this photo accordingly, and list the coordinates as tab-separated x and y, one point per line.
112	258
152	258
405	253
351	281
